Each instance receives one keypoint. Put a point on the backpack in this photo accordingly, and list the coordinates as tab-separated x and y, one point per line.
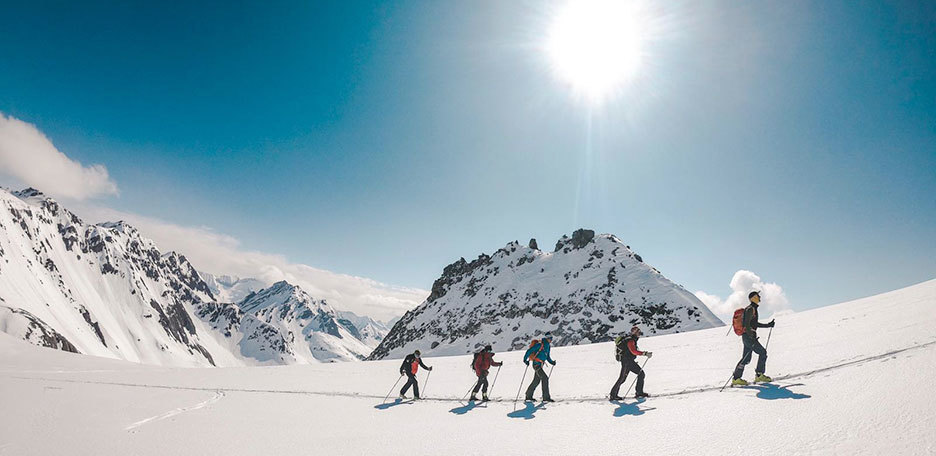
474	360
407	365
737	321
619	348
533	343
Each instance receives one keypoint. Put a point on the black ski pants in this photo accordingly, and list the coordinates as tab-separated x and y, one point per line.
482	383
411	381
751	345
539	375
628	365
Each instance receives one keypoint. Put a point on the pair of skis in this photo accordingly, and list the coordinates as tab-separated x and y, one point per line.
473	385
425	385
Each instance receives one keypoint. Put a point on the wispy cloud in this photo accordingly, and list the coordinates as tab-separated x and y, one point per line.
217	253
773	300
27	155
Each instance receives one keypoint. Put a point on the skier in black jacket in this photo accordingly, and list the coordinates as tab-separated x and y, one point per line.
409	367
751	344
626	352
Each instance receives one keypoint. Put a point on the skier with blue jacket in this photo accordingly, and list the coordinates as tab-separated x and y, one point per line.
539	354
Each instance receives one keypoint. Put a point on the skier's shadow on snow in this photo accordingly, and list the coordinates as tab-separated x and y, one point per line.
528	412
772	391
632	409
467	408
396	402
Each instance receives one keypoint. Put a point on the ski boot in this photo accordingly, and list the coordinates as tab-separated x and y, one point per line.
473	398
528	399
615	398
739	382
548	399
484	397
641	395
402	397
762	378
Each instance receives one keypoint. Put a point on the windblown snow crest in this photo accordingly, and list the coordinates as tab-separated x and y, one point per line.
589	289
105	290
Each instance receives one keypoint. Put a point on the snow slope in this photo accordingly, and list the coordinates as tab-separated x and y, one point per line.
850	379
589	289
107	290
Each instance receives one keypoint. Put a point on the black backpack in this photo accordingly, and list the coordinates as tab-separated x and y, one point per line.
474	360
407	364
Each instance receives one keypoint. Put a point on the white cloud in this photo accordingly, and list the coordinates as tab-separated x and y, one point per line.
218	253
29	156
773	300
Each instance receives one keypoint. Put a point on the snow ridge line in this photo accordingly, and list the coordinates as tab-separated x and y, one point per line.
217	397
373	396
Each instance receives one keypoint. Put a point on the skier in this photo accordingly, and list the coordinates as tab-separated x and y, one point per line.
482	363
749	339
539	354
409	367
626	352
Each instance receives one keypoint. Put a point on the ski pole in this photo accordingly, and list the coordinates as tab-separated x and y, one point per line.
426	383
769	333
635	380
521	386
729	331
470	389
491	389
391	389
732	374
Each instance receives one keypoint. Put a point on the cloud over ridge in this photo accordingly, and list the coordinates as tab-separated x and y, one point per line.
773	299
27	155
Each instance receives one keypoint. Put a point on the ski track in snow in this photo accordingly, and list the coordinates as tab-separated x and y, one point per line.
221	390
217	397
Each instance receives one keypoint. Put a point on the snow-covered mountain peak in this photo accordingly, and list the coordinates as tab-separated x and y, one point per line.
589	289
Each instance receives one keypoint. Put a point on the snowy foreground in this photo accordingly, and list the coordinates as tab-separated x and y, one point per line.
851	378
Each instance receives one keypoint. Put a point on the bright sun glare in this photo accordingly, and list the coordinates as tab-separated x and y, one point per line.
595	45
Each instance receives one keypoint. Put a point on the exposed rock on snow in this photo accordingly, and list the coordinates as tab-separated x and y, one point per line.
589	289
108	291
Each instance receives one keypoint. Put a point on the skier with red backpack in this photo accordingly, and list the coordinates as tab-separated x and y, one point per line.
745	324
409	368
483	361
626	352
539	354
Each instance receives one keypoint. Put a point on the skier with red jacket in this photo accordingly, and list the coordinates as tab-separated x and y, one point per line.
626	352
409	367
483	361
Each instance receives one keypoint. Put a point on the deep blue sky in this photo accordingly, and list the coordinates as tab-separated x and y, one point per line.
385	140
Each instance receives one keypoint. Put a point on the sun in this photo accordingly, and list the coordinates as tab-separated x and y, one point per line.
595	45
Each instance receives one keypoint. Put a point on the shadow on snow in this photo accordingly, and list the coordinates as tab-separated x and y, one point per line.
772	391
392	404
632	409
528	411
467	408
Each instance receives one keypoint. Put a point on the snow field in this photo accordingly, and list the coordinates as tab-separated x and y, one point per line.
849	379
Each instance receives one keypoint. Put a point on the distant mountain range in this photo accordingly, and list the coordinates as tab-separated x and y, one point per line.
106	290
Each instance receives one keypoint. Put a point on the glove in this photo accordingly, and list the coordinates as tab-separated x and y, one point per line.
526	361
771	324
648	354
430	367
552	362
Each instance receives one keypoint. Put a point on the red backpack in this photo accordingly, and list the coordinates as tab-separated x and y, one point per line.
737	321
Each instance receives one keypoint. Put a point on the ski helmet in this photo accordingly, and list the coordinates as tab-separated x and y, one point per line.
753	294
416	353
487	348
